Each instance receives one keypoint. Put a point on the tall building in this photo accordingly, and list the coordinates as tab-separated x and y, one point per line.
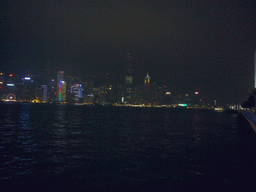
11	85
147	90
63	91
61	87
76	91
129	72
147	83
74	85
44	87
51	91
27	88
129	79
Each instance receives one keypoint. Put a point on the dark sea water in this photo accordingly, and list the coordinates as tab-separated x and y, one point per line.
81	148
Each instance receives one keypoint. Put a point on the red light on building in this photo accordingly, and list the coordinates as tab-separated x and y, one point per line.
55	93
61	71
11	75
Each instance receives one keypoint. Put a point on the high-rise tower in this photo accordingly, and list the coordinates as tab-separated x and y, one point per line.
61	87
28	88
147	83
129	79
129	73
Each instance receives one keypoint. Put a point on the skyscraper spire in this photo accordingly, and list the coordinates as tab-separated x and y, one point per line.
147	83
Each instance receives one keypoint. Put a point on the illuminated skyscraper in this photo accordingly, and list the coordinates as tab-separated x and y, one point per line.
147	83
76	91
63	91
11	85
60	76
61	87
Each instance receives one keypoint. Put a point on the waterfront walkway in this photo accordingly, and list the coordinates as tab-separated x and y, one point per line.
251	117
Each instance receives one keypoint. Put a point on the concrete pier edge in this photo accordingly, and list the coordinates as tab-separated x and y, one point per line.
250	117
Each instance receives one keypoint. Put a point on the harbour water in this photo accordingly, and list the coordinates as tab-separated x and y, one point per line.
47	147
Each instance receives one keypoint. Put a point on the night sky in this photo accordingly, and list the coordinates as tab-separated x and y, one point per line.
206	46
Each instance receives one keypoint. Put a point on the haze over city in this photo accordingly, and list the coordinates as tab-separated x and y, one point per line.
128	95
189	46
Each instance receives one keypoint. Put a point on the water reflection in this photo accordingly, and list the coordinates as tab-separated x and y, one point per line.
108	144
197	131
17	140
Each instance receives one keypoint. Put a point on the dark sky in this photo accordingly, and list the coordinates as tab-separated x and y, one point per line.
204	45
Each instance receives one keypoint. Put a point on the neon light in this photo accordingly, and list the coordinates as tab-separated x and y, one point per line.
183	105
60	90
10	85
27	78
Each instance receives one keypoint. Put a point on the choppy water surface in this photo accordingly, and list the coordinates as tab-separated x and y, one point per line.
79	148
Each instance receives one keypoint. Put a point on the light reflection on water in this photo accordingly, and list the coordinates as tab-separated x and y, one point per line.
119	143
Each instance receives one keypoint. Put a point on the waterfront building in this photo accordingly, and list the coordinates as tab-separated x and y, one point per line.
61	87
51	90
156	94
147	83
76	93
10	86
62	91
147	90
27	88
44	87
129	79
129	72
74	89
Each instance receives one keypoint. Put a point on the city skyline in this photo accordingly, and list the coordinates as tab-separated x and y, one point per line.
199	46
101	90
